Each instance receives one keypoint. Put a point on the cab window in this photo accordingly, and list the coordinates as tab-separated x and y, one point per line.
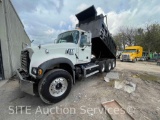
83	40
68	37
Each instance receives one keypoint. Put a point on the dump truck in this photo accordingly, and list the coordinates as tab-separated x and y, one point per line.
132	53
51	70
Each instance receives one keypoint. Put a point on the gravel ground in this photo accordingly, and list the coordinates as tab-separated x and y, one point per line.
84	101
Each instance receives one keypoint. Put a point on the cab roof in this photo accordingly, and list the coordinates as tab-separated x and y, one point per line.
74	30
133	47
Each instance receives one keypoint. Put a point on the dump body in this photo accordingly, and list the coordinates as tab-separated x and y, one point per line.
103	45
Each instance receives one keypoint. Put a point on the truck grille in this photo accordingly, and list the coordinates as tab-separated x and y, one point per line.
25	61
125	57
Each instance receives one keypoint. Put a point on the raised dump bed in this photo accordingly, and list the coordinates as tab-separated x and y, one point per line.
103	45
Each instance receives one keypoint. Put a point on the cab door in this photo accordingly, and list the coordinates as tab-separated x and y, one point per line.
84	49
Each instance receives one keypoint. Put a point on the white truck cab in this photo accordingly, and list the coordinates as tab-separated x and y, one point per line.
74	46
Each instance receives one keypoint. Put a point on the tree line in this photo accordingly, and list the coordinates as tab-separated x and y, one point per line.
148	37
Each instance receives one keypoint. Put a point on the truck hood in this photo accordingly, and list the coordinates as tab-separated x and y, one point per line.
50	46
127	53
39	55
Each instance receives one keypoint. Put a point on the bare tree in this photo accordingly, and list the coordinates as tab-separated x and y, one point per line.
148	38
128	34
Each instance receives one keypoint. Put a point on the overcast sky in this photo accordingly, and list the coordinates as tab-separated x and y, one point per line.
45	19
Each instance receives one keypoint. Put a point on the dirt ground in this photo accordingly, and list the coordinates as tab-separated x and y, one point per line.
84	101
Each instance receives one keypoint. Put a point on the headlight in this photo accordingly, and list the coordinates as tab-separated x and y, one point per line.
34	71
37	71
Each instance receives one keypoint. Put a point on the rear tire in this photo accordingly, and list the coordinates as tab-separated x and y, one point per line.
113	63
101	66
108	65
55	86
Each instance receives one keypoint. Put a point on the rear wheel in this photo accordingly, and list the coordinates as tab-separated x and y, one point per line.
113	63
108	65
101	66
55	86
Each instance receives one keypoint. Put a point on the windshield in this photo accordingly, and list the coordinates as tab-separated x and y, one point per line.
129	51
69	37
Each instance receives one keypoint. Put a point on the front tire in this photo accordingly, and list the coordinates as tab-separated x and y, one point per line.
134	60
55	86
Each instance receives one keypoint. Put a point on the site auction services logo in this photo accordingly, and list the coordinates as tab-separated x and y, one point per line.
67	110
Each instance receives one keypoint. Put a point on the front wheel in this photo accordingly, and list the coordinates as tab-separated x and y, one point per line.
134	60
55	86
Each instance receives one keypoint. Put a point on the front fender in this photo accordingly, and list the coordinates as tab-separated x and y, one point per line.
47	64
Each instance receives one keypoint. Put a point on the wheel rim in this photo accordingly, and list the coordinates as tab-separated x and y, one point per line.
103	67
58	87
109	66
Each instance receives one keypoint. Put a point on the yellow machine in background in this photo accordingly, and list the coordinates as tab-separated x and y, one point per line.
132	53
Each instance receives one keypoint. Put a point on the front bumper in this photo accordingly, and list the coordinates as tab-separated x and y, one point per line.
26	86
124	59
127	60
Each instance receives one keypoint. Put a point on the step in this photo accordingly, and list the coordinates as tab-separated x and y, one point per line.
92	73
90	67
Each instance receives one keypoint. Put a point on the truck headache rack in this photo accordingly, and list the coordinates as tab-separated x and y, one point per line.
103	44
